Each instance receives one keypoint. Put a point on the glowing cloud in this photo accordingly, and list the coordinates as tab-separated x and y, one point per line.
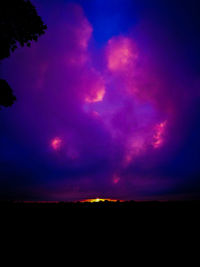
121	54
135	146
84	34
116	179
96	96
158	137
56	143
78	26
94	86
106	108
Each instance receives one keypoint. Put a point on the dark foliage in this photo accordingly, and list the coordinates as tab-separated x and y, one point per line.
6	95
19	24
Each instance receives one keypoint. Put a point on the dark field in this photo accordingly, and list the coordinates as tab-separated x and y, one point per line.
169	205
102	214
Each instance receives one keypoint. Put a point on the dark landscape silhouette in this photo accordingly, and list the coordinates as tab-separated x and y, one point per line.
134	205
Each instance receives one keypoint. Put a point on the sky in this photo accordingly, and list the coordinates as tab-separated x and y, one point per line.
108	104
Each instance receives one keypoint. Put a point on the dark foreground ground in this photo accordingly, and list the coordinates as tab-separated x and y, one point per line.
103	205
109	214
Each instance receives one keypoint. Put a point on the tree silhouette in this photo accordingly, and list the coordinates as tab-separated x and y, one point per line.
19	25
6	95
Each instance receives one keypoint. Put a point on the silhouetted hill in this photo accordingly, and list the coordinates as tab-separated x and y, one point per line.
102	205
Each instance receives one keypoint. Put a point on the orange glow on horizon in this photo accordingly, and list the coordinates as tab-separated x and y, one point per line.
97	200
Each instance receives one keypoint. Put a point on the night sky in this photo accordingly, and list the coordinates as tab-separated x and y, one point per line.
108	103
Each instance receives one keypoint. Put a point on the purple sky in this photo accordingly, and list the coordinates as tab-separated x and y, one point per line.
113	117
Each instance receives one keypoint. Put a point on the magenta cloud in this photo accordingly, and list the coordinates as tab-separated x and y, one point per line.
94	121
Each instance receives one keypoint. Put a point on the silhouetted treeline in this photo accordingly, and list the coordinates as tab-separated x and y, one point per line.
19	25
107	204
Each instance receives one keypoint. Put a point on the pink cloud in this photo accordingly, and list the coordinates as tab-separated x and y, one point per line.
111	116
